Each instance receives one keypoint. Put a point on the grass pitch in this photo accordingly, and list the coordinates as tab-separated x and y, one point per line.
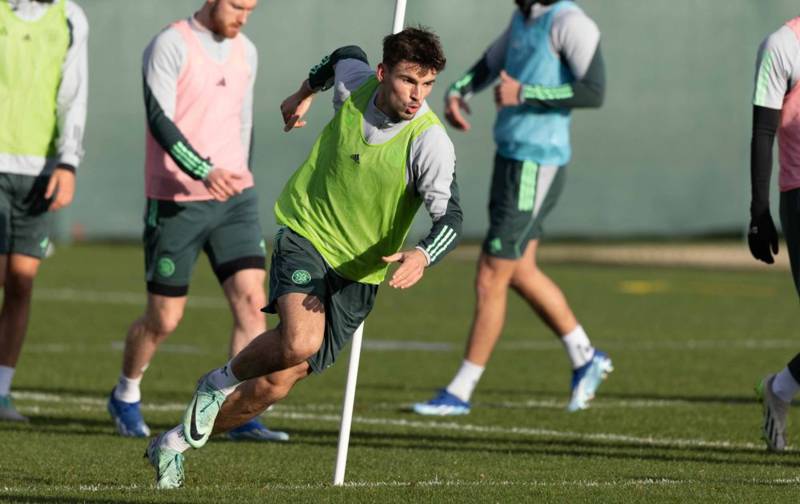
676	421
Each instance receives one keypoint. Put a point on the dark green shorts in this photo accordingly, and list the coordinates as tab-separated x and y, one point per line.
522	195
790	221
24	219
298	267
174	234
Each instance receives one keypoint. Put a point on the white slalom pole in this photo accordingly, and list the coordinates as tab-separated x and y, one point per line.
355	346
347	407
399	16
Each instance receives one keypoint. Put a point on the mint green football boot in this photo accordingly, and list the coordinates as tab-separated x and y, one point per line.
168	464
198	420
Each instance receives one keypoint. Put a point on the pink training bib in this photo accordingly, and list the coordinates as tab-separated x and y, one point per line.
789	132
208	112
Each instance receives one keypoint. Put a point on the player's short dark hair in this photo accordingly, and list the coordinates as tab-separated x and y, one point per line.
415	45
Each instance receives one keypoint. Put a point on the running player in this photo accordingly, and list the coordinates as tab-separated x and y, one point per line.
776	109
549	62
346	213
43	90
199	75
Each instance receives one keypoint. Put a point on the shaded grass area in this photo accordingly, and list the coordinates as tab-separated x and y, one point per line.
676	420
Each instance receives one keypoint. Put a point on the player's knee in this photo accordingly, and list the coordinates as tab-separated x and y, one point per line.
490	280
163	322
300	342
249	305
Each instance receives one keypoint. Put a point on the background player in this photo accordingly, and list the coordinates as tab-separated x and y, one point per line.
44	85
776	109
549	62
199	75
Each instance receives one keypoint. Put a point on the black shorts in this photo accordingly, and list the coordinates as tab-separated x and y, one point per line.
297	267
522	195
24	220
175	232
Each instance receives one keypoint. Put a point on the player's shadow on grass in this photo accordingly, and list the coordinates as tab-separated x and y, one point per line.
70	425
578	448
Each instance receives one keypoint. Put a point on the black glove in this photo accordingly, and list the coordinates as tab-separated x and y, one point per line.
762	237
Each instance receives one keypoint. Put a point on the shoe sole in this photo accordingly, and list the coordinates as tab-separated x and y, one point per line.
438	412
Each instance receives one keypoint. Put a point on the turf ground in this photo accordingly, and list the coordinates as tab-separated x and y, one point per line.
675	422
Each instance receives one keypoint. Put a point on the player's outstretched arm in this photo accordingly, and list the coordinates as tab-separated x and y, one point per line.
320	78
295	107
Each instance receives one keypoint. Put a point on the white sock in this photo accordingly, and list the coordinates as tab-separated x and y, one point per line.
579	348
127	389
785	386
174	440
6	375
224	379
465	380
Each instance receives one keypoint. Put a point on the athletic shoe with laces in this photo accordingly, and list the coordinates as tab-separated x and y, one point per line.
776	411
167	462
8	412
256	431
444	404
127	417
587	378
198	420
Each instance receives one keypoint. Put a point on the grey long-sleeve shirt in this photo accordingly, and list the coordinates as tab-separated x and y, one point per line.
72	96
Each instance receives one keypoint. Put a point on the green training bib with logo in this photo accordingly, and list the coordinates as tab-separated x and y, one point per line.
350	198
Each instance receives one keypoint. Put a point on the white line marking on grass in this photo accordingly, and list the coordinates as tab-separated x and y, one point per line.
400	345
122	298
385	406
433	483
93	404
440	346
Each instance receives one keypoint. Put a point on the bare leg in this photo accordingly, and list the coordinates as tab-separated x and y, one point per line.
18	273
245	293
254	396
297	337
161	318
542	294
491	290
